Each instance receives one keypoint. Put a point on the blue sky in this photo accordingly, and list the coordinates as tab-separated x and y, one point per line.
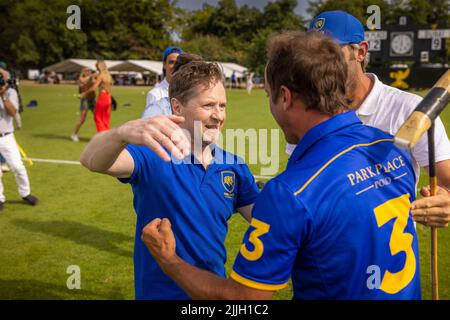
197	4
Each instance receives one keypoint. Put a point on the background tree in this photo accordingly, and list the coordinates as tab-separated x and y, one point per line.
356	8
238	34
34	32
418	11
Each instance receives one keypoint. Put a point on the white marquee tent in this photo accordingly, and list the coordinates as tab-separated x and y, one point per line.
143	66
75	65
229	67
132	66
156	67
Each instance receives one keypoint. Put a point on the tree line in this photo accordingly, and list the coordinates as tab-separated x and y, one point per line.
34	33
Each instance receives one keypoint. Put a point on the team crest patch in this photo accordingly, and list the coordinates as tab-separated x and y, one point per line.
319	24
228	182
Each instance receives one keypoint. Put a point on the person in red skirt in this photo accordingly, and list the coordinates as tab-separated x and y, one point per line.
102	113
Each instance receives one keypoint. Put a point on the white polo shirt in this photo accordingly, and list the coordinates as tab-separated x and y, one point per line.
6	121
387	108
158	92
160	107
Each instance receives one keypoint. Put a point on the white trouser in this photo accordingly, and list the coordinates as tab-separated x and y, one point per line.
11	153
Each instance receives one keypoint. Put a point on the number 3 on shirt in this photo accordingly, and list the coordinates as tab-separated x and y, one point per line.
400	242
260	229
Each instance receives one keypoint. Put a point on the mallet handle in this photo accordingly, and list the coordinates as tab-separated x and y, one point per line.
424	114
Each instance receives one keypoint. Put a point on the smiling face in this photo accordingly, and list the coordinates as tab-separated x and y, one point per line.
204	112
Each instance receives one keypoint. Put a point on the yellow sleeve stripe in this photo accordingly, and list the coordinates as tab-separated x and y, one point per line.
256	285
337	156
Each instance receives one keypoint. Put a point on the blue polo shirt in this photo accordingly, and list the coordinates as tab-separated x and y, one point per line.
337	220
198	202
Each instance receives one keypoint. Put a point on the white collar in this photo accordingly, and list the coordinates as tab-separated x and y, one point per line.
369	104
163	84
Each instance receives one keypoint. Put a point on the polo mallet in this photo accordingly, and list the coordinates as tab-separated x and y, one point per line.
23	154
421	120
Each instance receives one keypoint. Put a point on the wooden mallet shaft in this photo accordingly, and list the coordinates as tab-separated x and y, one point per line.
434	234
421	120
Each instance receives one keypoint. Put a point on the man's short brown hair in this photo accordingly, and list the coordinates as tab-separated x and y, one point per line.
312	66
184	82
185	58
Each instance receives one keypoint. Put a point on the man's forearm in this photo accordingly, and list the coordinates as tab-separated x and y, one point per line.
200	284
102	151
197	283
9	106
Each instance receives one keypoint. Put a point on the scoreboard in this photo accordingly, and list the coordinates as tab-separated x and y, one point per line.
412	43
408	56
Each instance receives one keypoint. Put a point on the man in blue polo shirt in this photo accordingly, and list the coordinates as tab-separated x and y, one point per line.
387	108
337	220
199	190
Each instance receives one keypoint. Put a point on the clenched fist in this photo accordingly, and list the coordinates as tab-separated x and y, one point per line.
160	241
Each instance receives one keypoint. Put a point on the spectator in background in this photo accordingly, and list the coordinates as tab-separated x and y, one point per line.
233	80
249	84
9	106
162	106
161	89
85	81
4	166
18	119
102	113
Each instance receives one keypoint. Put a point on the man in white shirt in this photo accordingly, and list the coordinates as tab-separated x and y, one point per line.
156	103
9	106
387	108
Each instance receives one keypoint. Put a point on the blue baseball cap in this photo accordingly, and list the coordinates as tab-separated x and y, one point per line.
340	25
170	50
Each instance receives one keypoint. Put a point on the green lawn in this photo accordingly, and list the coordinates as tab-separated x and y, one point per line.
87	219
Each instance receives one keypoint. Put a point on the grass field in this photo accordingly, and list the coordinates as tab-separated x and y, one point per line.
87	219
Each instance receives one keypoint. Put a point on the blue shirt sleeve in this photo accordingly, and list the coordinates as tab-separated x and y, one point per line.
145	160
248	190
279	226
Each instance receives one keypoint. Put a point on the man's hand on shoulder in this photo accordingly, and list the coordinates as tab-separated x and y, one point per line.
156	133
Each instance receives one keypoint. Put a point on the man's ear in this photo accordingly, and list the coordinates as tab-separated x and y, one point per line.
362	51
286	97
176	107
